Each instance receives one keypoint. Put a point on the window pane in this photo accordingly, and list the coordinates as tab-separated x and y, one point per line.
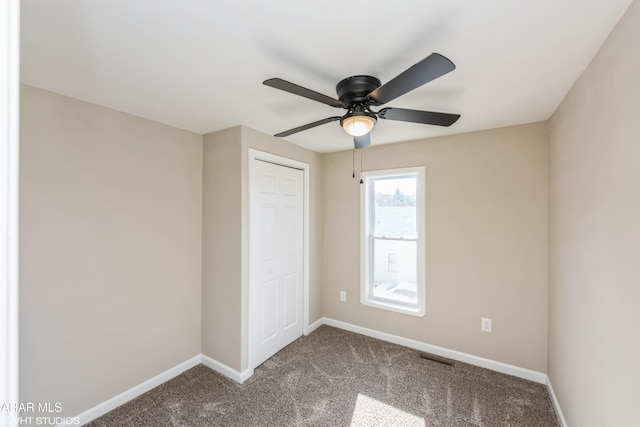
395	207
395	270
392	240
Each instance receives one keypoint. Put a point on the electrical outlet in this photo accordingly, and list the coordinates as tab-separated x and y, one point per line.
486	324
343	296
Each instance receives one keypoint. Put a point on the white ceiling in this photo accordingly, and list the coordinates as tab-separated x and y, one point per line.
199	64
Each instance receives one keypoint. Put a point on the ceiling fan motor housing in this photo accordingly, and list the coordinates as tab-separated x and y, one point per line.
355	89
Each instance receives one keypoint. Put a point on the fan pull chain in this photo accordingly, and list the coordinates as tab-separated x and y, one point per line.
353	161
361	153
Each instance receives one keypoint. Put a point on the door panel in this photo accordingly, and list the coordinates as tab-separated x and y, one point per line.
269	229
290	295
269	294
276	258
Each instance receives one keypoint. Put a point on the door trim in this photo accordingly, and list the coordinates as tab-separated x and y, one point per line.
257	155
9	188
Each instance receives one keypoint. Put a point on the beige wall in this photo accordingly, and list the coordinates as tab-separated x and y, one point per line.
221	247
486	242
594	262
110	232
225	238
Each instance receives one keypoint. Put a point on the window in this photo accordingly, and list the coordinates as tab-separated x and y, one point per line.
392	255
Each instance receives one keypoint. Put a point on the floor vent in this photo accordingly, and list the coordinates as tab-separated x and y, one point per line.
437	359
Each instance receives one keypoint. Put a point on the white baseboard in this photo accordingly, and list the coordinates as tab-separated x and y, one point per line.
315	325
223	369
124	397
111	404
556	404
493	365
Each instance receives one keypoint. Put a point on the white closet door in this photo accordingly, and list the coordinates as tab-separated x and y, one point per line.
276	258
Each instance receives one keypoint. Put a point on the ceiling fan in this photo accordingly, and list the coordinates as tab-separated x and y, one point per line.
357	94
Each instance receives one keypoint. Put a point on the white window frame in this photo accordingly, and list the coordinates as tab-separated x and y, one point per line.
366	214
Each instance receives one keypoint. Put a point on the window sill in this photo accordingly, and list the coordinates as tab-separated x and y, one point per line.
417	312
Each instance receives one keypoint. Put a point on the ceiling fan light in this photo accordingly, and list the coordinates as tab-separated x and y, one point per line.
358	125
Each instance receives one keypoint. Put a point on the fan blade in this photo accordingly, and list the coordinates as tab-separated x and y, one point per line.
302	91
430	68
362	141
307	126
417	116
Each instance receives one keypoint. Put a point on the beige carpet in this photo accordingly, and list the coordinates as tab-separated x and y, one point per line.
338	378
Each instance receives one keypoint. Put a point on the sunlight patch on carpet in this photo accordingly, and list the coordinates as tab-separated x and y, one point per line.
372	412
